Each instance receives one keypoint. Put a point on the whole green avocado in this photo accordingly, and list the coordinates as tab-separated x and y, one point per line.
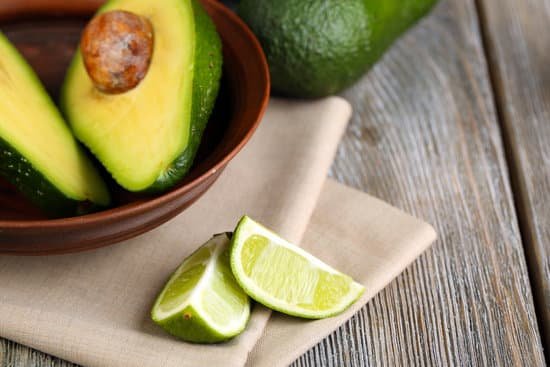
317	48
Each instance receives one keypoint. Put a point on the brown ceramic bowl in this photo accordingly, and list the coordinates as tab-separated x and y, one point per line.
46	32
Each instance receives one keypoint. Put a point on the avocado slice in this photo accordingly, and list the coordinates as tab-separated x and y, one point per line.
147	137
38	154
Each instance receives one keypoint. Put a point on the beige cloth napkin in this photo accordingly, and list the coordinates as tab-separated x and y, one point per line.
93	308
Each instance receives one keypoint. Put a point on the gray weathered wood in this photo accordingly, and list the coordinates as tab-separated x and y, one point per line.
16	355
519	54
425	138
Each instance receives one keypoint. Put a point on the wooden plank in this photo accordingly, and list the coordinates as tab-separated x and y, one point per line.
516	35
425	138
16	355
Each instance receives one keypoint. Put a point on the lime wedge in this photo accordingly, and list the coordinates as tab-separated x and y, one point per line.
285	278
202	302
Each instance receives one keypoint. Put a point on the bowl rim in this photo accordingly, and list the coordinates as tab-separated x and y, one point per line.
131	210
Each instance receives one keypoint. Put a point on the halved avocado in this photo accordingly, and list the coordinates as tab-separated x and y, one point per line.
147	137
38	153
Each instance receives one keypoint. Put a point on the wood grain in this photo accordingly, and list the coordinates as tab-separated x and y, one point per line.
16	355
425	138
519	55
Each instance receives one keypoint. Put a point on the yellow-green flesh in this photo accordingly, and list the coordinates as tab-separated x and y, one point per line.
186	278
137	134
204	287
286	278
32	125
303	284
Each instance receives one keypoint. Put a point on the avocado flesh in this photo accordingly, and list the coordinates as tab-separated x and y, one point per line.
38	153
147	137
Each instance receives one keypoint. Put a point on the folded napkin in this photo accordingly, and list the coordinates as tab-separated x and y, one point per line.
92	308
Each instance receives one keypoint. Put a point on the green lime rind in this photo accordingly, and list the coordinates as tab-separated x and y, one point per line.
190	325
246	228
202	302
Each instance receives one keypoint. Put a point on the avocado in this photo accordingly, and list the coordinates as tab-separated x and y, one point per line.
317	48
38	154
147	137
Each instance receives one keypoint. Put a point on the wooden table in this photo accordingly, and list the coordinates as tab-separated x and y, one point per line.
453	125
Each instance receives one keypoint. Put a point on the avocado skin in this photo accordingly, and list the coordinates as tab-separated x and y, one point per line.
19	172
206	83
28	178
389	19
317	48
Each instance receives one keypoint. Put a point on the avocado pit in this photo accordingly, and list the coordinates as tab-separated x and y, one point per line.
116	48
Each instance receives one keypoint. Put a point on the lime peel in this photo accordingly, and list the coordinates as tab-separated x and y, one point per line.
202	302
286	278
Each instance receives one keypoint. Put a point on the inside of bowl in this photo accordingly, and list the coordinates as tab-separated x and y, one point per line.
48	45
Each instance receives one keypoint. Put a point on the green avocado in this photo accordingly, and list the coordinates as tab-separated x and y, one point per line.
317	48
38	154
147	137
